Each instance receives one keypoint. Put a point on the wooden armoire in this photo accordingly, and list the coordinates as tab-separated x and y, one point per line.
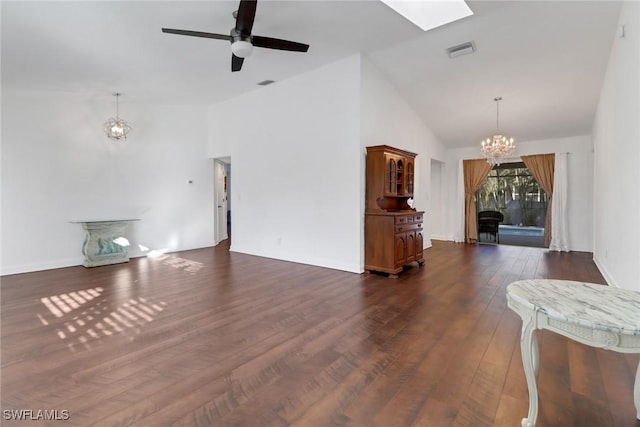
393	234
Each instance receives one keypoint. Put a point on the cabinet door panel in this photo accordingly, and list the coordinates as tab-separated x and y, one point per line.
401	248
411	246
419	245
409	177
391	175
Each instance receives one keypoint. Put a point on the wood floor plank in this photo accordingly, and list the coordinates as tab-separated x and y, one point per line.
618	380
584	371
554	380
214	338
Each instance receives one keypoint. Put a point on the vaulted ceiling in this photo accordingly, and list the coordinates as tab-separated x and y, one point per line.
546	59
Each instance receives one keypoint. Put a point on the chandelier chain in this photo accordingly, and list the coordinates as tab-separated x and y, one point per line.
117	95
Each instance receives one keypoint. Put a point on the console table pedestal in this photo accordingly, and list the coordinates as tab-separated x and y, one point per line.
105	242
595	315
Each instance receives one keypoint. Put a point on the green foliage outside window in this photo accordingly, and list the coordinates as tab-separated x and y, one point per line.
511	189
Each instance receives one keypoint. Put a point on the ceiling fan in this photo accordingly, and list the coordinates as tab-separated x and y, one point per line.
242	41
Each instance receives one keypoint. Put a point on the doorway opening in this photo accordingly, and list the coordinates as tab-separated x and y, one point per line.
222	189
511	190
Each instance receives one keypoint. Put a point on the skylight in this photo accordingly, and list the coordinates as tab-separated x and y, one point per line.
429	14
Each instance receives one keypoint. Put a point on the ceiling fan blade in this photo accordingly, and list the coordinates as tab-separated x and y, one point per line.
272	43
236	62
246	16
197	34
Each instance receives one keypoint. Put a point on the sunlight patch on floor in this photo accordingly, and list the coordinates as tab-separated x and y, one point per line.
88	318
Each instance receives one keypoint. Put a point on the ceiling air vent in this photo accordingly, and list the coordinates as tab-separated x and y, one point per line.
461	49
265	82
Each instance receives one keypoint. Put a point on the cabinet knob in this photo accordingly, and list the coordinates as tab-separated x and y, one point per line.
399	228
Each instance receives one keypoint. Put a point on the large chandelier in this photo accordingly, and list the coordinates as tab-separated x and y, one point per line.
496	148
117	128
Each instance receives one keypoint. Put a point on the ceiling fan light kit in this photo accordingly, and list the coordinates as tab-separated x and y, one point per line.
241	48
242	41
496	148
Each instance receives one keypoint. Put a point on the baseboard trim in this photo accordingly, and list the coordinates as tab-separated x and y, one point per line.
605	273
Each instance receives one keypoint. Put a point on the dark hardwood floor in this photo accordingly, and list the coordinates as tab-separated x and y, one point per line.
207	337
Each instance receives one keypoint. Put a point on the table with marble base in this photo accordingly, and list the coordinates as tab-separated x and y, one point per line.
596	315
105	242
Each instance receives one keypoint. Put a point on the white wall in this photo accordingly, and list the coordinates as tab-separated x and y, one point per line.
580	182
295	154
58	166
387	119
616	135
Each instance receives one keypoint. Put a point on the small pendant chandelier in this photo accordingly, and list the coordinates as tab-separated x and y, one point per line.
117	128
496	148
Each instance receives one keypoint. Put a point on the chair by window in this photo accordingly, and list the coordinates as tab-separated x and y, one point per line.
488	222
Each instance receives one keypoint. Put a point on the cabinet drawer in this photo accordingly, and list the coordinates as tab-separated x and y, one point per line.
405	219
417	218
408	227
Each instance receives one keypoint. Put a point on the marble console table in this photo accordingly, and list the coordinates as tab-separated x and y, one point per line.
105	242
595	315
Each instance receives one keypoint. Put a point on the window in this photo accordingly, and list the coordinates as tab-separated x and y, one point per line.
511	189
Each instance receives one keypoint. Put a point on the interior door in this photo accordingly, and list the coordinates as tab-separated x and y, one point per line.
221	201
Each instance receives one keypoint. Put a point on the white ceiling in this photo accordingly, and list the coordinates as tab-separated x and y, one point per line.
545	58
